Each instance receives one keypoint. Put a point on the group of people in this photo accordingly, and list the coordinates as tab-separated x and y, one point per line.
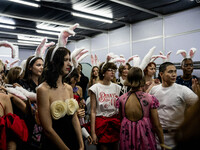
135	111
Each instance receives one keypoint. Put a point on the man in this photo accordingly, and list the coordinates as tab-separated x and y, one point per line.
173	99
186	78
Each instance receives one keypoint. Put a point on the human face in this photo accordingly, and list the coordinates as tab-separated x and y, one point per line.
151	70
125	71
168	76
110	74
67	65
37	67
187	67
95	72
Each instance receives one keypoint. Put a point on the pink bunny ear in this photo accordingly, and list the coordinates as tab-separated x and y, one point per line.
192	52
45	47
131	58
182	52
11	65
81	53
109	56
168	54
96	60
118	60
74	54
39	48
92	60
10	45
154	57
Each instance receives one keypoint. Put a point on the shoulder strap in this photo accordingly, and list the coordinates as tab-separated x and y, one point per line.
3	108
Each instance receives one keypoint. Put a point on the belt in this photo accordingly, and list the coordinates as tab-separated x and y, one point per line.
169	130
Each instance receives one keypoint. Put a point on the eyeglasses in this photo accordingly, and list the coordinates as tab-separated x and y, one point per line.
186	65
113	70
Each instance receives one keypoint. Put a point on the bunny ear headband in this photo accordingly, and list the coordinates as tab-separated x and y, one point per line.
8	44
145	61
63	37
165	58
94	60
112	58
40	50
11	64
184	53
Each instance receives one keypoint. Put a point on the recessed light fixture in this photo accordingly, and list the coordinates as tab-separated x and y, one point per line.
7	26
92	18
30	38
25	3
28	42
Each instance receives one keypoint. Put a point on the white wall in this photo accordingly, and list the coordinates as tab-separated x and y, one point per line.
173	32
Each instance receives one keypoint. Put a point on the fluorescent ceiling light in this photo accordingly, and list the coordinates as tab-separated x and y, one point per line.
93	8
7	26
30	38
91	17
47	32
28	42
25	3
7	20
47	26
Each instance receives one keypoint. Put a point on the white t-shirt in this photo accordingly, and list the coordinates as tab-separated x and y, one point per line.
106	96
173	101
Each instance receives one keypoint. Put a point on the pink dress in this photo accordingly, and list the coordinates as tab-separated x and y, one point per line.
138	135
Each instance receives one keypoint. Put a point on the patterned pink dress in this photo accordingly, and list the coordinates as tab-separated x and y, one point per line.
138	135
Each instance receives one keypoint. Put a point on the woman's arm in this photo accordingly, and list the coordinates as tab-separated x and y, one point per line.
45	117
77	128
8	105
93	116
157	125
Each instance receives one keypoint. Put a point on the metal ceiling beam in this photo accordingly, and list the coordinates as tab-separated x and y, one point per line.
50	22
137	7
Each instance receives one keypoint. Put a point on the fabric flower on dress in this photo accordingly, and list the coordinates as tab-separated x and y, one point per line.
58	109
72	106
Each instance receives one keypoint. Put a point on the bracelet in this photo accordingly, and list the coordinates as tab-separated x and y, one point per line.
165	146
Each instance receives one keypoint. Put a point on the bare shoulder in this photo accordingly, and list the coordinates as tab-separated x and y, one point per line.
4	97
80	88
44	87
68	87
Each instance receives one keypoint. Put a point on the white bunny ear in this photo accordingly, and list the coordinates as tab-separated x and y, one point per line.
82	57
109	56
192	52
182	52
38	51
154	57
131	58
45	47
168	54
117	59
11	65
136	61
10	45
74	54
147	58
96	60
121	56
92	60
63	37
81	54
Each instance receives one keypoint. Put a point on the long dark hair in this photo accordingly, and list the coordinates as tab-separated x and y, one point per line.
52	69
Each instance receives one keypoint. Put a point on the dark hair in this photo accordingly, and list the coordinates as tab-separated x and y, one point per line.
28	73
121	68
146	69
105	68
52	69
135	78
164	65
74	74
184	60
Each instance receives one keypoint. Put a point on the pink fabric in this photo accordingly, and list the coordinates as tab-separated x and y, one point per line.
139	134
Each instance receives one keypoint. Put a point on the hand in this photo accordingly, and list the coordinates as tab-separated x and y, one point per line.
195	86
89	138
16	84
95	139
81	113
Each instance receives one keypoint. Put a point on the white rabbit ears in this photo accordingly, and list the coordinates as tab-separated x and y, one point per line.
184	53
145	61
94	60
10	45
78	55
63	37
165	58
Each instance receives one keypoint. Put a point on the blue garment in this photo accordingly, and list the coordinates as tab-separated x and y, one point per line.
188	83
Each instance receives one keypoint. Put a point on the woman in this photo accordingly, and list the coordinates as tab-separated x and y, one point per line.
94	76
149	73
123	72
104	121
64	132
139	116
14	75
